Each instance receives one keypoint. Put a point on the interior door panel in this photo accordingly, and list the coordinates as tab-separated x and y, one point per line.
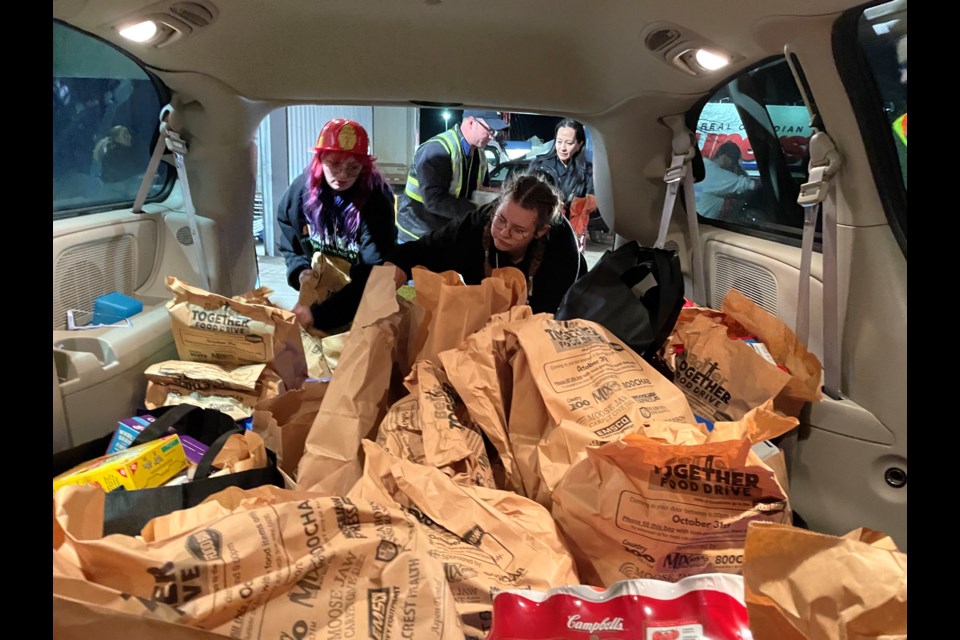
847	460
98	372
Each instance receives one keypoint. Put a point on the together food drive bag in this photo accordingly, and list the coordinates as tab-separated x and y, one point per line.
672	503
722	376
769	336
432	426
232	390
488	540
261	564
450	310
802	585
211	328
581	373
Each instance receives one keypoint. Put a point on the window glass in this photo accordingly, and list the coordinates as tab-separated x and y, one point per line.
753	135
105	117
882	37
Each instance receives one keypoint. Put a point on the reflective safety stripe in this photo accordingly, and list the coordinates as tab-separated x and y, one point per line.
451	144
900	128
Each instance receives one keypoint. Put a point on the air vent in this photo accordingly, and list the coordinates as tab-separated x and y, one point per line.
657	40
184	236
755	282
86	272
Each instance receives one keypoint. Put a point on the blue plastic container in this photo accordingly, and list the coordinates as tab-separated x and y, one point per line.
114	307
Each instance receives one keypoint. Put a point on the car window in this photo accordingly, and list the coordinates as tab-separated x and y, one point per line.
753	134
105	119
873	63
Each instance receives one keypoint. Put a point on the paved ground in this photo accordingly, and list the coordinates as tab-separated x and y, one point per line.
273	273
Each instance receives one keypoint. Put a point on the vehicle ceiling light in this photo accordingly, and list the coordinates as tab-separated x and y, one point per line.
710	60
139	32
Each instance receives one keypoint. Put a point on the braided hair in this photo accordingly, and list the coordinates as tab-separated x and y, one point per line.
530	192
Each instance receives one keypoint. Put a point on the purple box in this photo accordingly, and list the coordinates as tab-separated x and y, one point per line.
129	428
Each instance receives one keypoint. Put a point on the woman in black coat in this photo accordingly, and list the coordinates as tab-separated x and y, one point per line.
566	166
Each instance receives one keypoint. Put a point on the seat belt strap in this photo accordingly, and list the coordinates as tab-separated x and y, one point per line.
816	196
681	171
152	168
172	141
178	146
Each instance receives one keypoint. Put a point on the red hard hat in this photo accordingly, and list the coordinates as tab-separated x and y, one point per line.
341	134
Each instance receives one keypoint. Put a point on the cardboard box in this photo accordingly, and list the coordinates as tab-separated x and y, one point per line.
150	464
129	428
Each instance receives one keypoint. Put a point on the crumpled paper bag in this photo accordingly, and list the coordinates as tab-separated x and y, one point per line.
358	396
255	564
285	421
488	540
803	585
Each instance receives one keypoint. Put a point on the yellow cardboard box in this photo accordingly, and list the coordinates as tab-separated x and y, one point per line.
150	464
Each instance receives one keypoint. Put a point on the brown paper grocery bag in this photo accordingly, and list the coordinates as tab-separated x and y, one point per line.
453	310
722	378
782	343
643	507
803	585
330	274
576	370
262	564
284	422
480	372
358	395
212	328
489	540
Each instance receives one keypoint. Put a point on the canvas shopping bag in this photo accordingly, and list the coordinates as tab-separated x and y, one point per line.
128	511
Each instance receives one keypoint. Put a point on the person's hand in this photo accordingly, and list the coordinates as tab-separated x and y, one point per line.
399	277
304	315
307	275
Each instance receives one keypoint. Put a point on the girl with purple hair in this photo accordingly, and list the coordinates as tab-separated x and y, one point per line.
340	206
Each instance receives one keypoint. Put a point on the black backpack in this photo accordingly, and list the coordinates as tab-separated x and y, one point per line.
634	292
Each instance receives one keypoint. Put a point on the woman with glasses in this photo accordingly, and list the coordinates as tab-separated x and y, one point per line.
523	228
341	207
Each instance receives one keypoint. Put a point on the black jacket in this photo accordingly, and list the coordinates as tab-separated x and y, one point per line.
432	169
376	235
458	246
563	177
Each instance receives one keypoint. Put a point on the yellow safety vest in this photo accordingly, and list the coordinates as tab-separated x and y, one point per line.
450	142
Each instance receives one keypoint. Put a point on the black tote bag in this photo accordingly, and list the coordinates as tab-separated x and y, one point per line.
128	511
634	292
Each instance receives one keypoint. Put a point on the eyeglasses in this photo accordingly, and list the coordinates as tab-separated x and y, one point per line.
500	223
485	126
352	170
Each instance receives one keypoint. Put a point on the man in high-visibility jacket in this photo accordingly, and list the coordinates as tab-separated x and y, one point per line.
446	170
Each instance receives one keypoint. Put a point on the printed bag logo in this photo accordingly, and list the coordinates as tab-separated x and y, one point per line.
607	624
566	337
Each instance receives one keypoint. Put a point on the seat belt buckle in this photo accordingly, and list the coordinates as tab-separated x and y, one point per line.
677	169
813	191
173	140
